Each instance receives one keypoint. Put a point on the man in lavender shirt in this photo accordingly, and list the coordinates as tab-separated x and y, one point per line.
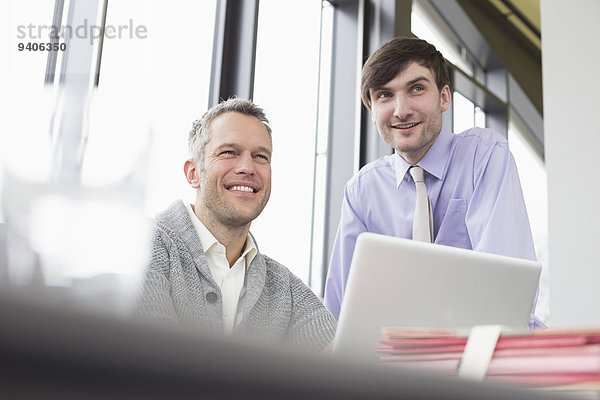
471	177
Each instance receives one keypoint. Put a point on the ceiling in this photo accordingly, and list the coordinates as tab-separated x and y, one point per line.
524	15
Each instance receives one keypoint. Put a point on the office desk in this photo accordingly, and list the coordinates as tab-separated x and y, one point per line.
47	352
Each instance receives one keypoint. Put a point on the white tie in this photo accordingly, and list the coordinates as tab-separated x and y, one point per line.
423	219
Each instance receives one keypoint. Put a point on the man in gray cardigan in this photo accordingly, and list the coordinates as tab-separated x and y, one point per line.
206	270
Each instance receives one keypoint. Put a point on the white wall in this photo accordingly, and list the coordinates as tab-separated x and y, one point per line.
571	79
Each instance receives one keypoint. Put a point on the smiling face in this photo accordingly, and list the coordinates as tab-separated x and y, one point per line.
234	182
408	111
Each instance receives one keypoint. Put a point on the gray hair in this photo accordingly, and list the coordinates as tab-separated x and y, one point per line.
199	136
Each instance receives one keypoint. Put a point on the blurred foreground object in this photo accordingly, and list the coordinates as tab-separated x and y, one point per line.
75	245
65	354
75	234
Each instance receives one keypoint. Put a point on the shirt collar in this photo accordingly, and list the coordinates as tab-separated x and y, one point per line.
250	250
208	241
434	161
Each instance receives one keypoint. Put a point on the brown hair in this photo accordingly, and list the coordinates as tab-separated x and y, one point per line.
392	57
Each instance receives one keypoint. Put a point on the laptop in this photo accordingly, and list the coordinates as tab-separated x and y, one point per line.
397	282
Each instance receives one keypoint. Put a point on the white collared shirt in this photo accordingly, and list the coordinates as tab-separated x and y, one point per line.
231	281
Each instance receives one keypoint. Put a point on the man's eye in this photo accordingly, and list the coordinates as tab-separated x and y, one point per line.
417	89
261	157
384	95
227	153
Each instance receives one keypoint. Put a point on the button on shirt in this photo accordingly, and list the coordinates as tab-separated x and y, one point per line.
475	194
231	281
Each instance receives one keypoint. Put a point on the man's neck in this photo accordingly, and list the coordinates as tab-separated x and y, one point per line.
234	241
233	238
413	158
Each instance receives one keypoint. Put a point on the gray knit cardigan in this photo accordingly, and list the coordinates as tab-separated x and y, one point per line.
276	306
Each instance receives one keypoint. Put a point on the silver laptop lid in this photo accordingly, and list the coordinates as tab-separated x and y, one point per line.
396	282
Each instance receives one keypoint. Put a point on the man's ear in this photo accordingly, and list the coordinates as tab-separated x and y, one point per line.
445	98
191	170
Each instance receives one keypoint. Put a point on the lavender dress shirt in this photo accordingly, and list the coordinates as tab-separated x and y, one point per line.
475	194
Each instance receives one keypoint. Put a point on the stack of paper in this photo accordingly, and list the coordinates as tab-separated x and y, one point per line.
558	359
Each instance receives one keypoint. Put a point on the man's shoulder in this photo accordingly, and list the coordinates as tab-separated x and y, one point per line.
174	221
480	137
373	170
275	268
280	274
174	228
173	216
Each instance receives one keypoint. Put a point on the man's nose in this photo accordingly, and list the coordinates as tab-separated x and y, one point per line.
402	108
246	164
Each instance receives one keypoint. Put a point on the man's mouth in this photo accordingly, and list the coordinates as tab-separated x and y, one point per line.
241	188
405	126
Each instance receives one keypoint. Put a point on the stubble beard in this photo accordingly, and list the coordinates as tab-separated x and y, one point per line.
428	134
221	213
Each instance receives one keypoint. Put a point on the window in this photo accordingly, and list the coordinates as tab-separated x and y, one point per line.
466	114
27	104
287	87
534	182
29	23
152	86
479	117
320	175
154	76
463	113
